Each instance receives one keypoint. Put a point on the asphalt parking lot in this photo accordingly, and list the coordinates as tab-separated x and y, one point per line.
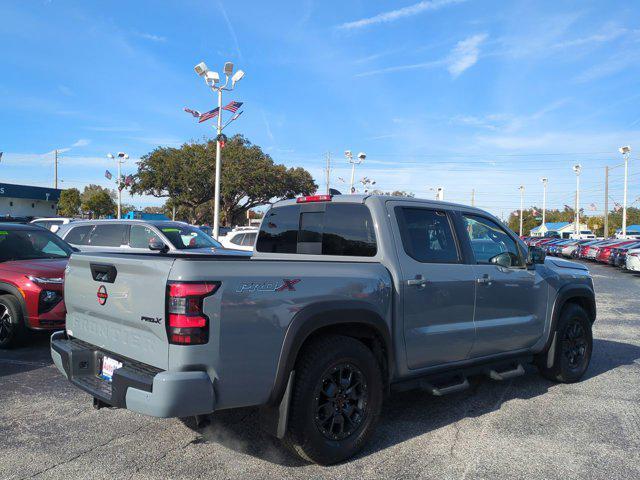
527	427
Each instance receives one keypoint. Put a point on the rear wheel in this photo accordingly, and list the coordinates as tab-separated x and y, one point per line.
336	400
573	347
12	329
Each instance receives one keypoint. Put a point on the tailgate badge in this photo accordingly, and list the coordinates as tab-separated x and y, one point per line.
102	295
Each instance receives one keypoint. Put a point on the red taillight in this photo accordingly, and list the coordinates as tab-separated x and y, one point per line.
188	325
314	198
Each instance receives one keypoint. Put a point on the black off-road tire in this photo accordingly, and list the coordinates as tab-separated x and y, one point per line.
326	359
573	347
12	328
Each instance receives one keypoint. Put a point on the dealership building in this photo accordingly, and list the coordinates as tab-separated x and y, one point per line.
28	201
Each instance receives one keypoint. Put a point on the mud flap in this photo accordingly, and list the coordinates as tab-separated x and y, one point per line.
274	418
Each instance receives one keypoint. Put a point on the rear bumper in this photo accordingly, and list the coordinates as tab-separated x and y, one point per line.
136	386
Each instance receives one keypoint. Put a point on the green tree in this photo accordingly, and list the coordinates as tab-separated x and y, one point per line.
98	201
249	178
69	203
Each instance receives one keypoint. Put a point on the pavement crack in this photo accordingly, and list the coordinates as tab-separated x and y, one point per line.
84	452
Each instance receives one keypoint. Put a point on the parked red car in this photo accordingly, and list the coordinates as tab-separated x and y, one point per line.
32	263
605	251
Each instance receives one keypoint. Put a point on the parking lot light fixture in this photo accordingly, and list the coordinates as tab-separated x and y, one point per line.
212	79
349	156
521	188
544	181
121	158
625	154
577	168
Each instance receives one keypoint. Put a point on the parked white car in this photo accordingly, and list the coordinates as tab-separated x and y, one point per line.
53	223
633	260
583	235
242	238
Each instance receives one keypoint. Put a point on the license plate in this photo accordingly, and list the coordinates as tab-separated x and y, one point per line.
109	365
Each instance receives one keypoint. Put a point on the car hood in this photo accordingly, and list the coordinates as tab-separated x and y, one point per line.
46	267
558	262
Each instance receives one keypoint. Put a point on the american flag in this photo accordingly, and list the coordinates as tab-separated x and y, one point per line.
232	107
593	207
107	175
208	115
128	180
195	113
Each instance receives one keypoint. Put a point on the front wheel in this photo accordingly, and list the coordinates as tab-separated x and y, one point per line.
11	322
336	400
573	347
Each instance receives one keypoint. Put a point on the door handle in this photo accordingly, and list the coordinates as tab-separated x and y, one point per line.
484	280
419	281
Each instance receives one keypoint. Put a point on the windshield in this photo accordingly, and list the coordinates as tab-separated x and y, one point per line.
185	237
31	244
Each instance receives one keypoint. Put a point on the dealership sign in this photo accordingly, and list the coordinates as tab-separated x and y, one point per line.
28	192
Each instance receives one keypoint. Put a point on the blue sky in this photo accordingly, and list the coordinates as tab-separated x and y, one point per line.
474	94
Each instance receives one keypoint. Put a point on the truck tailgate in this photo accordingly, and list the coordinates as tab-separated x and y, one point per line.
117	303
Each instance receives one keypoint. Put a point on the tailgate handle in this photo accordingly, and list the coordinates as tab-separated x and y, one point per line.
103	272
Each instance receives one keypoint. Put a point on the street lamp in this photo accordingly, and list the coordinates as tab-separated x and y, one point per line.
212	79
577	168
521	188
544	181
367	183
625	153
122	157
349	156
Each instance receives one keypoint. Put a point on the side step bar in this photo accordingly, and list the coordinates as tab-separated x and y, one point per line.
516	371
457	385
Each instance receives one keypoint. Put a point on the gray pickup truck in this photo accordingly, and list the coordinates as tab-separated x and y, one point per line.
345	299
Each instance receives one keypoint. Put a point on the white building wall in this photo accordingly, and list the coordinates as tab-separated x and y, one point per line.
24	207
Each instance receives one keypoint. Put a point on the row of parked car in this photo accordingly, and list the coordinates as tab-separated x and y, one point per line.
623	253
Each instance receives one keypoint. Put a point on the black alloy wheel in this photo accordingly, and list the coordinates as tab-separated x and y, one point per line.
341	400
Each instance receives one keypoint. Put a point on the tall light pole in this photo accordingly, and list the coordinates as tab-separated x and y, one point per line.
122	157
212	79
521	188
544	181
577	168
625	153
349	156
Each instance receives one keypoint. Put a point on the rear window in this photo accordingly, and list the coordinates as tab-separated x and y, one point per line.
328	229
108	235
79	235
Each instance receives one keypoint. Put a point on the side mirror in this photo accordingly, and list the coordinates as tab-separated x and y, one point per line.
536	255
502	259
157	245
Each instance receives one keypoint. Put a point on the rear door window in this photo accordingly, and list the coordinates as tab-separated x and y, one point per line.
79	235
249	239
108	235
427	235
237	240
342	229
140	236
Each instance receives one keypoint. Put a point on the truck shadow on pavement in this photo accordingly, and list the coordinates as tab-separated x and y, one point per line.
410	414
35	354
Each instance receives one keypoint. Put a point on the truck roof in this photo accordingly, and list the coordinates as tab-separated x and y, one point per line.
361	198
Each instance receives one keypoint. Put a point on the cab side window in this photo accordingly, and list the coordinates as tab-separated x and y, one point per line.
79	235
488	239
140	236
108	235
427	235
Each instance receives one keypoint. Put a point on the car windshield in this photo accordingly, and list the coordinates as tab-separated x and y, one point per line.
186	237
31	245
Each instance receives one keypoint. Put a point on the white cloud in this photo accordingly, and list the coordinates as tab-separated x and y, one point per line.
465	54
394	15
83	142
152	37
232	31
608	33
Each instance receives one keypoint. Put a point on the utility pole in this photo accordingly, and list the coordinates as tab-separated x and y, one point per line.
473	197
606	202
328	171
121	157
55	169
521	206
